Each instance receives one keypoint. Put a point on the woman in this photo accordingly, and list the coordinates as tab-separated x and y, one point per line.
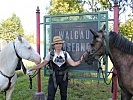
58	69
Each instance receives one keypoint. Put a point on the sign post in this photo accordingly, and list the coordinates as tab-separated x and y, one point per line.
38	95
116	23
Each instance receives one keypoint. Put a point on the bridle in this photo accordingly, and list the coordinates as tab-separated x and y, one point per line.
93	54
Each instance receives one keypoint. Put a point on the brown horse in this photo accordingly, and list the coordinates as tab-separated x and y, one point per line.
121	54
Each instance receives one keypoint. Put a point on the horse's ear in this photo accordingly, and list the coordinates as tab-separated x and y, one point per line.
20	38
94	33
104	27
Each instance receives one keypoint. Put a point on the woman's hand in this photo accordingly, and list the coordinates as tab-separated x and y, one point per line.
29	71
81	59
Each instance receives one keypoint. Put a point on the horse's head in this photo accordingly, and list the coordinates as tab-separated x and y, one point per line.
25	50
98	45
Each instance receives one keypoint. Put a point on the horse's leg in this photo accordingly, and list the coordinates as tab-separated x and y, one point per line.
125	96
11	89
9	93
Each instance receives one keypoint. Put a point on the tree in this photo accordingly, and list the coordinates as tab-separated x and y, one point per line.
105	4
127	28
65	7
96	5
10	28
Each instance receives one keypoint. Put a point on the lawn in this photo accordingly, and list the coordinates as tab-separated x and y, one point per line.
78	89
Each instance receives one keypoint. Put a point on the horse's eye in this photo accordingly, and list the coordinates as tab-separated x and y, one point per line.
29	47
92	44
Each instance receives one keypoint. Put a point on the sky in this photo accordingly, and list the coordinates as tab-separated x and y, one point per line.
25	10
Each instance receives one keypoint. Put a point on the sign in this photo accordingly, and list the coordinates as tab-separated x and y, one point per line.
77	37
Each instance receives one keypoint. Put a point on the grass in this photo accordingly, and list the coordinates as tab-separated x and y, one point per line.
77	89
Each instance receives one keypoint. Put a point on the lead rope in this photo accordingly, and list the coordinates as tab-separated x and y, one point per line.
100	68
5	95
30	86
32	76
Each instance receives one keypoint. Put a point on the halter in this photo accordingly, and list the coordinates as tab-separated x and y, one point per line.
20	63
16	52
92	54
107	52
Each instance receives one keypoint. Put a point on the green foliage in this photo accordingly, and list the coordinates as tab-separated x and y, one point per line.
65	7
105	4
10	28
127	28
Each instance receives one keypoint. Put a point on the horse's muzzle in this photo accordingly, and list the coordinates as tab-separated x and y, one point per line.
89	57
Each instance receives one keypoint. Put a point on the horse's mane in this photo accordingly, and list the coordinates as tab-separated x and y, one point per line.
121	42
